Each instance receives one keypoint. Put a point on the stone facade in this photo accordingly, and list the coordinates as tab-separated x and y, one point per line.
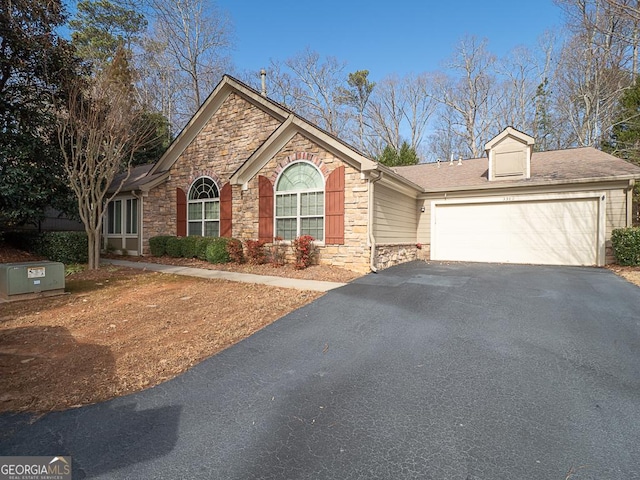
390	255
234	132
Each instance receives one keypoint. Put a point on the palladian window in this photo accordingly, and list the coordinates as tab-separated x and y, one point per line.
204	208
300	202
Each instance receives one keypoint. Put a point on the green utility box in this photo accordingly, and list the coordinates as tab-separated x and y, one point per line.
28	279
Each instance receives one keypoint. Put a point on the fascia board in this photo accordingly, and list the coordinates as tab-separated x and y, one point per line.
618	181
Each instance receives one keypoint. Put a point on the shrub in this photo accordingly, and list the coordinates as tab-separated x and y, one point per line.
65	247
174	247
201	246
189	246
626	245
255	251
217	251
158	245
235	251
304	251
277	252
23	240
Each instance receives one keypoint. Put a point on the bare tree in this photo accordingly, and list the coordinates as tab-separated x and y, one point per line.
191	38
419	106
386	112
471	98
99	131
315	85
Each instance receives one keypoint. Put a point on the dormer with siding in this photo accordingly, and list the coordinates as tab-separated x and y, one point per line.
509	155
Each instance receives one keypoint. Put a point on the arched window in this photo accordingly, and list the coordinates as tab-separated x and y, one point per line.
300	202
204	208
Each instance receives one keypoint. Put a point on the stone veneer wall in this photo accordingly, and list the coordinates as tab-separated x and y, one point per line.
354	254
390	255
235	131
229	138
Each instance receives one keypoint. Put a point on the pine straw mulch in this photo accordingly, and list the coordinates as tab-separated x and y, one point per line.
120	330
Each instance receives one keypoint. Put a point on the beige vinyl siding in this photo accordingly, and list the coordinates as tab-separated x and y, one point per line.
616	211
395	217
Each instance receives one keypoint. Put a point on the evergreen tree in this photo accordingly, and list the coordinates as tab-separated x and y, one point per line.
35	64
101	26
393	158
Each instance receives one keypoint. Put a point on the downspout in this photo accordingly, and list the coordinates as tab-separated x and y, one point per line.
372	238
140	222
632	184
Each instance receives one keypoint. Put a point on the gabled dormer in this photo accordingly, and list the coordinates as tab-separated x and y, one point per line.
509	155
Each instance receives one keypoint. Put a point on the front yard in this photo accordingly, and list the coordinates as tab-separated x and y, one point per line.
121	330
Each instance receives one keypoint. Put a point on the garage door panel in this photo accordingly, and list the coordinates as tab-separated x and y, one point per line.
559	232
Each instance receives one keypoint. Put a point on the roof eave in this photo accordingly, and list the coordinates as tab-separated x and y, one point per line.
538	183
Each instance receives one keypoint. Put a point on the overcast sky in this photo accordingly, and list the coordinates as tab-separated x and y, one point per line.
398	36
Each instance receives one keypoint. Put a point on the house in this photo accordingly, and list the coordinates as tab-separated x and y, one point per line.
246	167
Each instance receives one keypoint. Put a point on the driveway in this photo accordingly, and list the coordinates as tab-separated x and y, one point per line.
461	371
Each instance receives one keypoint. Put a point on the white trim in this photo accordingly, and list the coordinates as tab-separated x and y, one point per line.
298	217
602	208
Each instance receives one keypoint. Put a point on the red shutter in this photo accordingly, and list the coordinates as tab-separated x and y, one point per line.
334	208
226	211
265	209
181	212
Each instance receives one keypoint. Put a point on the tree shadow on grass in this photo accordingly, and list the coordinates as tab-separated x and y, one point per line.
44	369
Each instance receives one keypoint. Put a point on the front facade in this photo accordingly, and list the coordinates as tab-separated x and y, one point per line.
246	167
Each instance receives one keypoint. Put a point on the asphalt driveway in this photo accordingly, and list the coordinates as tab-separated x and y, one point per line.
462	371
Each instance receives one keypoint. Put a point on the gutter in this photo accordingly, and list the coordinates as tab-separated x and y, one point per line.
372	239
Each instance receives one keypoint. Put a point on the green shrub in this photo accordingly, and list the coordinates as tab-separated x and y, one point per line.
201	246
626	245
189	246
173	247
217	251
65	247
234	249
158	245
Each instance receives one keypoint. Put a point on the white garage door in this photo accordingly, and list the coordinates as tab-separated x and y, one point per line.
553	232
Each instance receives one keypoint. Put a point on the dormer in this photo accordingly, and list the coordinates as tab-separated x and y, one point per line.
509	155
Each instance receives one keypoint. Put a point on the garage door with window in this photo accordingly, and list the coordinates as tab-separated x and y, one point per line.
553	231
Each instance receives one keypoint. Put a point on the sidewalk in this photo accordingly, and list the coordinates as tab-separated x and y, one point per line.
314	285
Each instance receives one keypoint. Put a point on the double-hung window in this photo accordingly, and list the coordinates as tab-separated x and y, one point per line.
204	208
300	202
122	215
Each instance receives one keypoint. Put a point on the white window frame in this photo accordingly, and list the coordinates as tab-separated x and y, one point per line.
126	221
203	203
298	193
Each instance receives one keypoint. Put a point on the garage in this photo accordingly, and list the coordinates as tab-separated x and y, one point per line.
552	230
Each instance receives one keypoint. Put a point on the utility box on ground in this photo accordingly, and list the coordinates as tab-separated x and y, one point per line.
31	279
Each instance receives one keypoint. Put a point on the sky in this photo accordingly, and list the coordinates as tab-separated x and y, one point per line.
384	37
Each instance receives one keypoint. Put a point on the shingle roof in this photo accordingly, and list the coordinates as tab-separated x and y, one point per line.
556	165
137	179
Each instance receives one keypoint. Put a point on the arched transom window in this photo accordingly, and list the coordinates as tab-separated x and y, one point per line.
204	208
300	202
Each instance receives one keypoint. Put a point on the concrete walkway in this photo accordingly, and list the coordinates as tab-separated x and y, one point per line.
283	282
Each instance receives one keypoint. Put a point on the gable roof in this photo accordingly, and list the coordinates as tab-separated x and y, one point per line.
576	165
291	123
510	132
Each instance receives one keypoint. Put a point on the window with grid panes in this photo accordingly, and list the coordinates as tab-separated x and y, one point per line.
203	208
300	202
